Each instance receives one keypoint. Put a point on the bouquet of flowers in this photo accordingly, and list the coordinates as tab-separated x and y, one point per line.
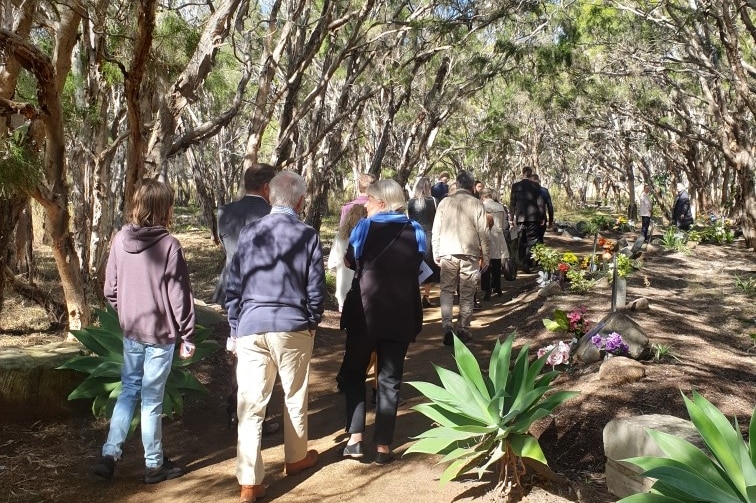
560	353
612	344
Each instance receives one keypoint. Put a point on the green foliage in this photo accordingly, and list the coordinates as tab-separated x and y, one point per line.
674	240
716	233
746	284
688	474
104	367
482	419
20	168
663	352
625	266
580	282
546	257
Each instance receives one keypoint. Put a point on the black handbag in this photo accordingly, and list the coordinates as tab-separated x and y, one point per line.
352	312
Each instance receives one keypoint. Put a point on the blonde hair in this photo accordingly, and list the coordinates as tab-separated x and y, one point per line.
153	204
364	181
390	192
355	213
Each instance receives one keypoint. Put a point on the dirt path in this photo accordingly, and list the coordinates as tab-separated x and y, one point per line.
694	306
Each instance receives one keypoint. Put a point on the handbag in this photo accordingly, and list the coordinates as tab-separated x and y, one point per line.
353	312
509	269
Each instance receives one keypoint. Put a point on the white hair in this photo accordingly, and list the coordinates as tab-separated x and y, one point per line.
286	189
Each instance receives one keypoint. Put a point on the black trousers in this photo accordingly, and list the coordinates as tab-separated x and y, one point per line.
491	279
389	370
645	223
528	241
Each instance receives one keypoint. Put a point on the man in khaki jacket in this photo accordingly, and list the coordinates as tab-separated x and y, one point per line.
460	248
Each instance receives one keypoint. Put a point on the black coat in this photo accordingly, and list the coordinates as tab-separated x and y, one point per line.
682	216
389	282
232	218
526	202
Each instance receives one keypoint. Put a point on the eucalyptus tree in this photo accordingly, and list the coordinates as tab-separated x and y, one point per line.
57	29
711	45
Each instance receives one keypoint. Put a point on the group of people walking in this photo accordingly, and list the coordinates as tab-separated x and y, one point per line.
273	288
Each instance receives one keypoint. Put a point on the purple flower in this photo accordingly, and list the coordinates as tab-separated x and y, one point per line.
597	340
615	345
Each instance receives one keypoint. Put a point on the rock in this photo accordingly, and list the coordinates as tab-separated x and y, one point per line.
621	370
622	243
639	305
627	437
550	290
654	248
603	283
31	387
632	334
586	352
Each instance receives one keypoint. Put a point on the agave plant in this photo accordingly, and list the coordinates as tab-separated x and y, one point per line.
687	474
104	367
482	419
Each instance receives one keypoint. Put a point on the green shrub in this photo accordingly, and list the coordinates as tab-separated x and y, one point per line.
746	284
546	257
687	474
482	419
580	282
674	240
104	367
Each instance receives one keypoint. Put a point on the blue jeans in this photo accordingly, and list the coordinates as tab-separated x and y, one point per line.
145	372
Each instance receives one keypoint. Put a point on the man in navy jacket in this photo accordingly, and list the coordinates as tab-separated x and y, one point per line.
274	298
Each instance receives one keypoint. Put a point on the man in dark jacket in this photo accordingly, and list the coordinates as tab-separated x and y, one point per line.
529	208
441	189
233	216
549	208
682	215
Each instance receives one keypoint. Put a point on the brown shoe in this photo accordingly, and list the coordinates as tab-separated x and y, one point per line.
250	493
309	461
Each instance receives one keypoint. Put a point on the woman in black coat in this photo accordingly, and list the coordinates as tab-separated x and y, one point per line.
385	250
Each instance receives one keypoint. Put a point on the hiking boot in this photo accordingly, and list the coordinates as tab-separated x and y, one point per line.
167	471
105	467
250	493
310	460
487	295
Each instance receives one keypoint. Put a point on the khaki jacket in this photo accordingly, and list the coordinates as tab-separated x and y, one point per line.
460	227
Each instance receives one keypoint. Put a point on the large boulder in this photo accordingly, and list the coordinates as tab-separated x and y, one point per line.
627	438
31	388
632	334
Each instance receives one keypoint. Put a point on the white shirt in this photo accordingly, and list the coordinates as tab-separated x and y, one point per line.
645	205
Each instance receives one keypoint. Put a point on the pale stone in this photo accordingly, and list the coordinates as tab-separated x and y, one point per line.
627	438
621	370
550	290
639	305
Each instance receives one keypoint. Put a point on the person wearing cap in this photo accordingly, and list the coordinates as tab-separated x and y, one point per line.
682	215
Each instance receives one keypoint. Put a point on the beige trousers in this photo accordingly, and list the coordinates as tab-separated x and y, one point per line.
261	357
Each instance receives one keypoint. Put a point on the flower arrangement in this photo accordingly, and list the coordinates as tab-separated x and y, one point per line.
570	258
546	257
611	344
573	323
560	354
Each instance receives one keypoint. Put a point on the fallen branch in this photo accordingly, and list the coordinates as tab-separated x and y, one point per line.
56	311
